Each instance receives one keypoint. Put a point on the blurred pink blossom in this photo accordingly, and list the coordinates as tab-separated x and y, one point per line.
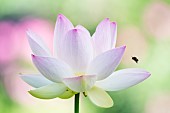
13	42
157	19
159	103
9	44
14	47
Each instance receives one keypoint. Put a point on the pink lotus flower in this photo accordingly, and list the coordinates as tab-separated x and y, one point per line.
80	64
9	44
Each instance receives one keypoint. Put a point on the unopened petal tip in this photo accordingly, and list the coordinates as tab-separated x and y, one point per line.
32	55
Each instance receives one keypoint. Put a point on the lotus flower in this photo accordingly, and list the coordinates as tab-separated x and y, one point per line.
80	64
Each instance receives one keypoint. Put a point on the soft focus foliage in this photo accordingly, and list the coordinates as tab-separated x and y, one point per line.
142	25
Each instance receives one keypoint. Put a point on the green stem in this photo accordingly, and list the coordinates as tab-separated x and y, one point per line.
76	104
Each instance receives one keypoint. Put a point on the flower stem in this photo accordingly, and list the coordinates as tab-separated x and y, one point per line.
76	104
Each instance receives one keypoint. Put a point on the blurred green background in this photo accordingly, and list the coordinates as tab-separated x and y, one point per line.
143	25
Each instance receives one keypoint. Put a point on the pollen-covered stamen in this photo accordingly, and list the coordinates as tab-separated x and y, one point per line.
79	73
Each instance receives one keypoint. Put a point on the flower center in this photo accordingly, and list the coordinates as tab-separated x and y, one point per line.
79	73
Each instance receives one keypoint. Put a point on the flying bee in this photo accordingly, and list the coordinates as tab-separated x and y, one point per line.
135	59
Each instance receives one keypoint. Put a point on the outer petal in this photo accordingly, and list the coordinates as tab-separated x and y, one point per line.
62	26
80	83
104	64
52	68
49	91
37	45
105	36
123	79
76	50
36	80
99	97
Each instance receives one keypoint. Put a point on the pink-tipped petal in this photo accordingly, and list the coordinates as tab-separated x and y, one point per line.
36	80
53	69
99	97
104	37
37	45
80	83
123	79
83	29
76	50
104	64
62	26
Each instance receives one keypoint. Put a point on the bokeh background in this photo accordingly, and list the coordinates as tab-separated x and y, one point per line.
143	25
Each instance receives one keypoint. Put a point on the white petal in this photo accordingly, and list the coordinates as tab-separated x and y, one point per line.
113	27
76	50
104	37
36	80
52	68
123	79
49	92
104	64
37	45
99	97
80	83
62	26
